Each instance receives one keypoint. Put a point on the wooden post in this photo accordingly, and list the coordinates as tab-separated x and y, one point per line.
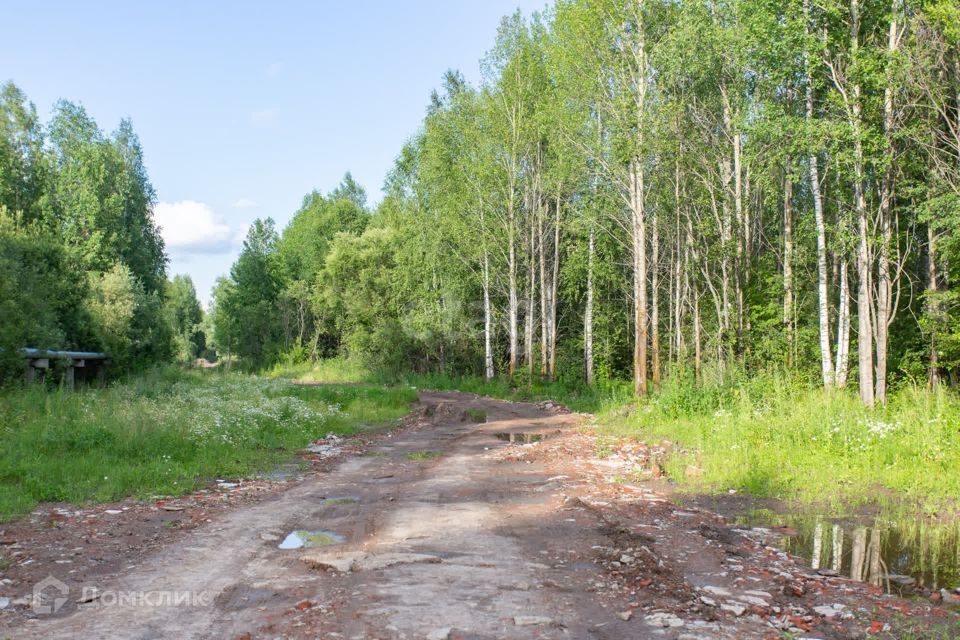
68	377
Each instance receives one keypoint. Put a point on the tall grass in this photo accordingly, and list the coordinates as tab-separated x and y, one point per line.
774	436
166	433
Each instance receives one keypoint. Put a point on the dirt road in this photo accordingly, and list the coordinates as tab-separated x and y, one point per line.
459	529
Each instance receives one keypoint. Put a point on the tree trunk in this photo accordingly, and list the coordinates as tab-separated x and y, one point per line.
512	278
655	300
588	314
885	310
932	305
544	315
554	282
639	237
530	302
823	295
487	320
864	298
788	262
843	326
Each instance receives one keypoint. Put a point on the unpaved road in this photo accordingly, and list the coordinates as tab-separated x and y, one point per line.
479	538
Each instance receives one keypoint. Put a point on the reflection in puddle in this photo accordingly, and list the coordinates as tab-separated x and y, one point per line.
900	557
300	539
519	437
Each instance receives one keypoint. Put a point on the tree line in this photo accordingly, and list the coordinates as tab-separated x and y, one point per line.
650	188
82	263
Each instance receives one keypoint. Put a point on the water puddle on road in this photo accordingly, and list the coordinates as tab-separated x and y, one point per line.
301	539
904	557
522	438
340	500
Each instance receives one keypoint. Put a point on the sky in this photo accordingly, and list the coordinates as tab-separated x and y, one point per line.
242	108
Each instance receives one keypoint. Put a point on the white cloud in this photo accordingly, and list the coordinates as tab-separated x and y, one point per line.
244	203
193	227
263	117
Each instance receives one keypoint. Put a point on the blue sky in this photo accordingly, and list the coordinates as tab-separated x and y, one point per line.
242	108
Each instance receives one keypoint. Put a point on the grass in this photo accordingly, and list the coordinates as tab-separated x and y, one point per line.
168	432
774	437
477	415
425	455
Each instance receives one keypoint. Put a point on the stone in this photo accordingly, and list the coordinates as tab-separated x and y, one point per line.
441	633
4	603
828	611
384	560
734	608
342	561
529	621
345	561
664	620
625	615
269	537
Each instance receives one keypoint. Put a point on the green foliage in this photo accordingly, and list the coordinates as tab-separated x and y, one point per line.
185	318
82	264
41	293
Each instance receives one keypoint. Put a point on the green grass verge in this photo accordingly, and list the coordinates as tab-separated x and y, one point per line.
168	432
773	437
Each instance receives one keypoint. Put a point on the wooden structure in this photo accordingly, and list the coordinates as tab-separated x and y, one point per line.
93	363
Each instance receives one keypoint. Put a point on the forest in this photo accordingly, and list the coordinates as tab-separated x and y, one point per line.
82	262
647	190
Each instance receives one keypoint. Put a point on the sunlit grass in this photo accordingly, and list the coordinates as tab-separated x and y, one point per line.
168	432
777	438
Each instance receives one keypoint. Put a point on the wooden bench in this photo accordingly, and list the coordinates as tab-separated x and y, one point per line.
38	360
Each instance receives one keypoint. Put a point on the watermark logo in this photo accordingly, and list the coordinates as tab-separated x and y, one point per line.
49	595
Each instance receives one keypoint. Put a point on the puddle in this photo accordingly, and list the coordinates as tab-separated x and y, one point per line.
342	500
900	557
520	437
300	539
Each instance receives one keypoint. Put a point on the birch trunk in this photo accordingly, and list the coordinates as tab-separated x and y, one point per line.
655	299
530	305
554	280
843	326
885	310
788	263
864	298
638	222
512	278
639	237
932	305
588	313
544	316
487	320
823	295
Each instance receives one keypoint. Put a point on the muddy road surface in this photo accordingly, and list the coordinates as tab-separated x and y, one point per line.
478	519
